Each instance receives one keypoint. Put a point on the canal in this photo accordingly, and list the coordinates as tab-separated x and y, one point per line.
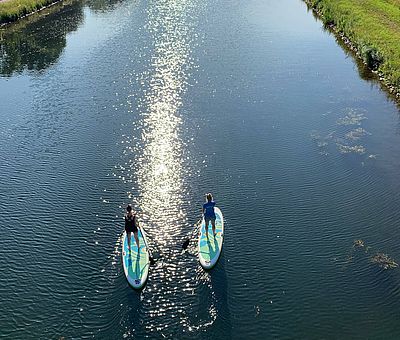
155	103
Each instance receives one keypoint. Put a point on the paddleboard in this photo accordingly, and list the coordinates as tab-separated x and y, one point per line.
136	261
210	247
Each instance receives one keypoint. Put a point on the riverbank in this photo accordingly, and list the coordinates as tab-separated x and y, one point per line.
371	28
12	10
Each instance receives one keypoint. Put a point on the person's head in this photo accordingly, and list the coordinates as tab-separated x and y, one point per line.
129	208
209	197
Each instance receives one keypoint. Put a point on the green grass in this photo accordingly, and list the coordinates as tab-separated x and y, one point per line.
373	26
12	10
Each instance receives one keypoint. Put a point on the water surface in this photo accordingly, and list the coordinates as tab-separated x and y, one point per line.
155	103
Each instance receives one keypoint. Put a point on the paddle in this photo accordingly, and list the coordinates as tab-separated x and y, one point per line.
185	244
151	258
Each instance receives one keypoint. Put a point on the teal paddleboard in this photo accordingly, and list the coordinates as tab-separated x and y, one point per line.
135	262
210	247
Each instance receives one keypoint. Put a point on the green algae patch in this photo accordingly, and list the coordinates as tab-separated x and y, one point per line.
369	27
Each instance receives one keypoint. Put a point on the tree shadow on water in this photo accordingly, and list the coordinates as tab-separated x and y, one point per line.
35	43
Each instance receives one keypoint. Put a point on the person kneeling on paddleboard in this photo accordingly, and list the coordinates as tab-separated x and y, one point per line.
131	226
209	214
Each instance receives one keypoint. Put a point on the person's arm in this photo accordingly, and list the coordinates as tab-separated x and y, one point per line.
136	222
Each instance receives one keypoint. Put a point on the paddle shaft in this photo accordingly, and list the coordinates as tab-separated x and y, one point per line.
193	234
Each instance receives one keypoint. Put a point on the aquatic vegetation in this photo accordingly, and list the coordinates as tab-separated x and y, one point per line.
345	149
381	259
384	261
321	141
358	243
356	134
315	135
353	117
361	244
343	144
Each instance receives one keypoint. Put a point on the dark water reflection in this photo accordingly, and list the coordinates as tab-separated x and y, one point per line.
102	5
36	43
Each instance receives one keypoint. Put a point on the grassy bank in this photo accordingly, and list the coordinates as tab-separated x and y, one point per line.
372	27
12	10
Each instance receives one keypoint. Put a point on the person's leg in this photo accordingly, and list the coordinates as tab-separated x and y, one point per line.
213	225
128	234
207	222
135	234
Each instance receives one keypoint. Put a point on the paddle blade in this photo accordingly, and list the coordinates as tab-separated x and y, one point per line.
185	244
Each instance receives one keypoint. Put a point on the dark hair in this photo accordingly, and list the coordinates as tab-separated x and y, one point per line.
129	208
209	197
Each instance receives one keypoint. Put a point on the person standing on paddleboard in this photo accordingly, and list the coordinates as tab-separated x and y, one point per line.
209	214
131	226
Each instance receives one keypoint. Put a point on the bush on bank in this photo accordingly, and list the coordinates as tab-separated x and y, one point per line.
372	26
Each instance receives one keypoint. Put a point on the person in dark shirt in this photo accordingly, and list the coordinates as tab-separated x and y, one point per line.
209	214
131	226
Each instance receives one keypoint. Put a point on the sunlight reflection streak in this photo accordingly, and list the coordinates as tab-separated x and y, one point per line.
161	172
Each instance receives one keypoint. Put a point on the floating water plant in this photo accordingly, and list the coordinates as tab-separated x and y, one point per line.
321	141
384	261
356	134
358	243
352	118
351	149
381	259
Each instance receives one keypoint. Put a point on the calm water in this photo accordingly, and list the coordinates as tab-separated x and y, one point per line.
158	102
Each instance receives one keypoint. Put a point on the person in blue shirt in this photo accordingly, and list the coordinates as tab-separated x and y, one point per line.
209	214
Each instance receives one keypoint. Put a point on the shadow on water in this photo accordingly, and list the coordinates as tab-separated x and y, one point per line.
116	301
133	316
127	318
219	284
